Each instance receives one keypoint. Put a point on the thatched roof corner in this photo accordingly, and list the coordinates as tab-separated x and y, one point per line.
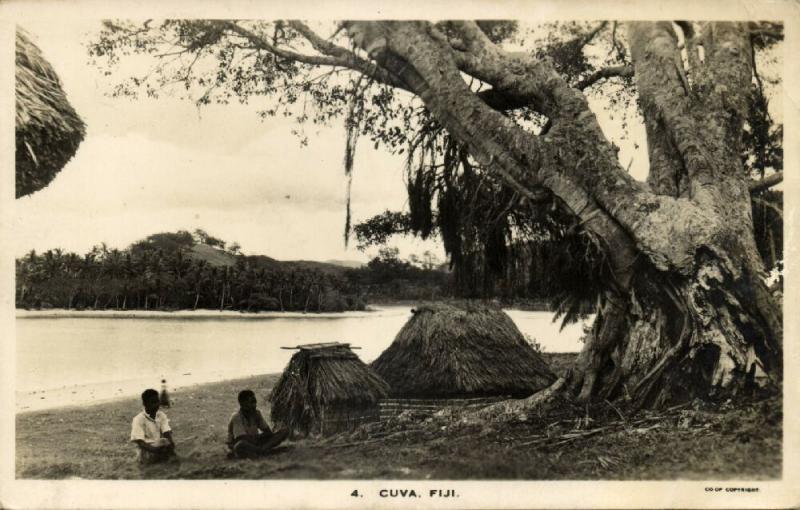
461	349
48	130
320	378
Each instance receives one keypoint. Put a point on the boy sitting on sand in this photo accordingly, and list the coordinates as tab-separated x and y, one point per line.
248	433
151	432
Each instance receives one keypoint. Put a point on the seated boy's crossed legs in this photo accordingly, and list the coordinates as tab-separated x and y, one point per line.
164	451
256	445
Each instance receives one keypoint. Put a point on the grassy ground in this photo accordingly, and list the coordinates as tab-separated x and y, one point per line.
698	441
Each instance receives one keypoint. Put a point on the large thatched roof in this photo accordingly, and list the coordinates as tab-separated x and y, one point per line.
323	377
48	130
461	349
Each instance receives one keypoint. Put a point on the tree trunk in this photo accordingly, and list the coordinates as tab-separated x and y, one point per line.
196	300
687	313
708	326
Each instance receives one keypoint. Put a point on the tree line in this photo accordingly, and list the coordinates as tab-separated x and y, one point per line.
167	272
190	271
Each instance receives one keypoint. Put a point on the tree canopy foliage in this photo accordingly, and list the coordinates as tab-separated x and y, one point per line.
182	270
175	270
316	74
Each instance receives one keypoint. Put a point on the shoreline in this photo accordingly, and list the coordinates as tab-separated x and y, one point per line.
133	387
59	313
86	406
63	313
104	392
49	390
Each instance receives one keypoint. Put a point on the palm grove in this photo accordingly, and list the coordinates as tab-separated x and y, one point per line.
190	271
507	163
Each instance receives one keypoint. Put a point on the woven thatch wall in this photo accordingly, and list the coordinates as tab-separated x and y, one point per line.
324	382
461	349
48	130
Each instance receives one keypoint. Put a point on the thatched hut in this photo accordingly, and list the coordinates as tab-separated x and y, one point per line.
458	350
48	130
326	388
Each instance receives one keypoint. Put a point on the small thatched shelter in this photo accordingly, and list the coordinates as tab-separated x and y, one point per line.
48	130
326	388
461	350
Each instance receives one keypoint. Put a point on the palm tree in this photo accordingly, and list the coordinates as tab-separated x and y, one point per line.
199	279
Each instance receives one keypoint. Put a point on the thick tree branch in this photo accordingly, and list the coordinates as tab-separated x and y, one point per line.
572	120
337	56
624	71
667	102
264	44
728	60
574	160
346	57
766	183
519	77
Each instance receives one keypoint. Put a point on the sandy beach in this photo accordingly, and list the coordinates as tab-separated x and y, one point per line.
705	442
102	392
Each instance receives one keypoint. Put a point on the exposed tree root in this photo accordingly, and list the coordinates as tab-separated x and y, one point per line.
508	410
675	340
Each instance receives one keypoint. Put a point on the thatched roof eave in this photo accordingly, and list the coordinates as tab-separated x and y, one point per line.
48	130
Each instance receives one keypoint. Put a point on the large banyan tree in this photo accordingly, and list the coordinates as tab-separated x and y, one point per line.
502	141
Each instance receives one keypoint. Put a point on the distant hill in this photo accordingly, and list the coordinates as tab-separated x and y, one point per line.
352	264
182	270
218	257
213	256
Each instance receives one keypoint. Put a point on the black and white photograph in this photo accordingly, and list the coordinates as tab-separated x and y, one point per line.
421	254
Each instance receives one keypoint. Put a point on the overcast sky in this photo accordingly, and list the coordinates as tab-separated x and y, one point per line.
149	166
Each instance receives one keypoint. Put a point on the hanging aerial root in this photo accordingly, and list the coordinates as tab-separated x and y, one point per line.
645	386
607	331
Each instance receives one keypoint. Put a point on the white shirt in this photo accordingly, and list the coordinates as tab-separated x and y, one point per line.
148	429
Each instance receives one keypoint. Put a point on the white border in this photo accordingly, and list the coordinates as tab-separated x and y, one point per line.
336	494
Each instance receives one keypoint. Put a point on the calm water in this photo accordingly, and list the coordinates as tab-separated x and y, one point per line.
68	360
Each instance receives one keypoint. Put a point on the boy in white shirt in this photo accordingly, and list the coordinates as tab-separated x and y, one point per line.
151	432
